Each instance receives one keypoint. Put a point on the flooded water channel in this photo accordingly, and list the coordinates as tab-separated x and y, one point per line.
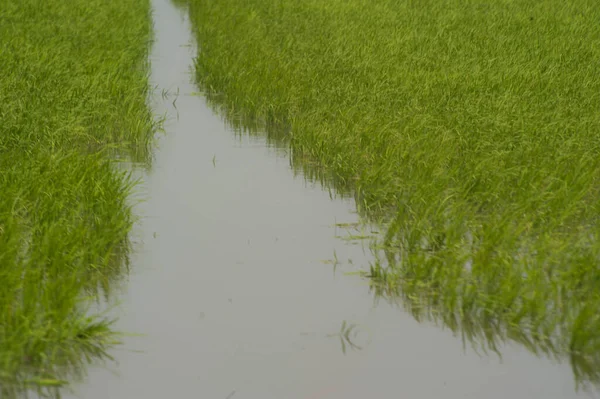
234	290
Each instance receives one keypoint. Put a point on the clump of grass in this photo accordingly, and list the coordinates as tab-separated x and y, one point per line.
470	127
73	93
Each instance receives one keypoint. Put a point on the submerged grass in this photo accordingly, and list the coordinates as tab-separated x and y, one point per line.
73	93
470	126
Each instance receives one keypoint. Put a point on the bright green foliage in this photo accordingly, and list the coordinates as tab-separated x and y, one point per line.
472	126
73	88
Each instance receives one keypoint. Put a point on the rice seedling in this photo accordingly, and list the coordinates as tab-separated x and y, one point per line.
467	128
73	91
347	335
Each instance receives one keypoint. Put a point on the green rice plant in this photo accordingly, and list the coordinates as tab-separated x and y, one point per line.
73	92
347	335
468	128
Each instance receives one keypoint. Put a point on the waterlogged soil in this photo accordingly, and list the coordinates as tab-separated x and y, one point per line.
233	284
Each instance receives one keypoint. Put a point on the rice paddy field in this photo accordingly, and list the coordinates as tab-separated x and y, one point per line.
468	129
73	91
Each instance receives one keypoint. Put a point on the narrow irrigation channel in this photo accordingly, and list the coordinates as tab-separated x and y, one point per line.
234	290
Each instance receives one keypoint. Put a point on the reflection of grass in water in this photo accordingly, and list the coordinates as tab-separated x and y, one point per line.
487	314
73	92
86	339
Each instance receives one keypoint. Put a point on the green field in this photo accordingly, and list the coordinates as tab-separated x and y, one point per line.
469	128
73	93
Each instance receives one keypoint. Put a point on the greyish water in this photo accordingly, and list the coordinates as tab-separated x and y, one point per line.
232	295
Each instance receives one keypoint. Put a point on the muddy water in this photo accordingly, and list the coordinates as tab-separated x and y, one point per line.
233	292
